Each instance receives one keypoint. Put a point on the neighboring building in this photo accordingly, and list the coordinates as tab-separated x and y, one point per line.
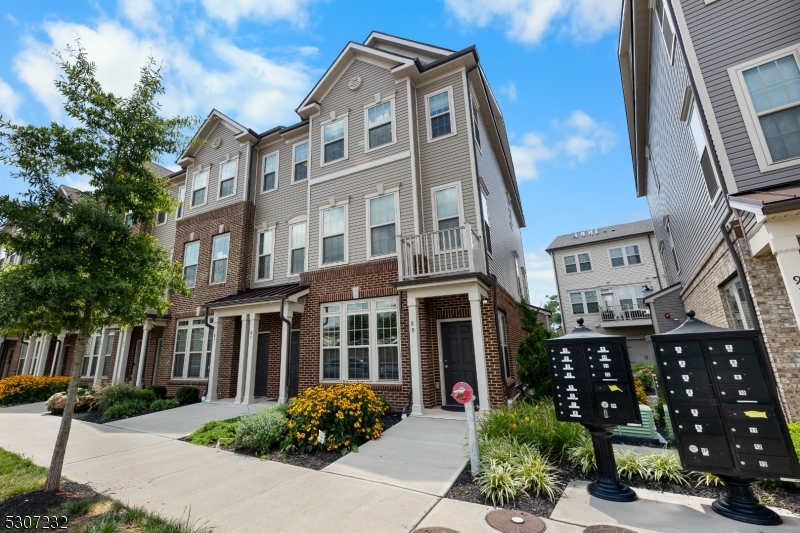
377	239
604	275
712	95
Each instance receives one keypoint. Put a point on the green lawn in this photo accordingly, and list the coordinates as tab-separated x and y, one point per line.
18	475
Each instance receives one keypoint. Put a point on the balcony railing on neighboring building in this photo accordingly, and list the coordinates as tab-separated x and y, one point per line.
625	312
441	252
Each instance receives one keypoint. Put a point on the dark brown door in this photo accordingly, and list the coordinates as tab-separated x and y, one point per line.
458	356
294	365
262	359
64	357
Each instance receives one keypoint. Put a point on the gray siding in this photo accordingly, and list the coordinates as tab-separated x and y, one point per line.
165	233
725	34
214	156
683	196
671	304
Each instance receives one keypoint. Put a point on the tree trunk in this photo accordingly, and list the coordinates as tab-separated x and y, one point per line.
53	483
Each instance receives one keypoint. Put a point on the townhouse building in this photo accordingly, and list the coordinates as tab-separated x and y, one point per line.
604	276
712	97
377	240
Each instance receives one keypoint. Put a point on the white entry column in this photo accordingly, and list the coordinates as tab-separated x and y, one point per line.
240	378
121	360
213	367
29	353
44	349
58	355
416	358
147	328
286	329
252	346
101	357
783	243
480	350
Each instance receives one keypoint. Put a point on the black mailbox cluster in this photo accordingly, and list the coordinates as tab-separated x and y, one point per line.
592	379
722	402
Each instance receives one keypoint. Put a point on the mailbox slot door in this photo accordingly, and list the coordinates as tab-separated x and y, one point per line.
706	451
696	410
754	392
700	427
760	446
765	464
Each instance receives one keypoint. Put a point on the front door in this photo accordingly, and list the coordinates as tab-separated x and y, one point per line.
458	357
262	358
64	357
294	365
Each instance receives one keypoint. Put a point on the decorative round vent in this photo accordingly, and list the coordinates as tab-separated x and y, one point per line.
355	82
216	142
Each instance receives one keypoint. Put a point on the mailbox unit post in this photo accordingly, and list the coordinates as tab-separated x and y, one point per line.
723	403
592	384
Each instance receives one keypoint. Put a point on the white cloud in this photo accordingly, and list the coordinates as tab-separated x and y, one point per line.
142	13
541	280
509	89
527	155
527	21
9	102
231	11
586	136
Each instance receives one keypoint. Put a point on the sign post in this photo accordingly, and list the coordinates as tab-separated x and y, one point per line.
463	394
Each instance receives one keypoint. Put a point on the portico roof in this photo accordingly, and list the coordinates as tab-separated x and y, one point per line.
261	294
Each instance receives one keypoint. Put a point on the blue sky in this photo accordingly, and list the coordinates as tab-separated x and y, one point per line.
551	63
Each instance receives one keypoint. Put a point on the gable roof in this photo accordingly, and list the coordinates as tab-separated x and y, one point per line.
214	117
408	47
609	233
159	171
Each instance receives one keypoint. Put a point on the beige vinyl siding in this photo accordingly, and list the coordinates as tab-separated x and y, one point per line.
355	186
208	154
446	160
669	304
506	238
278	206
374	79
417	159
165	233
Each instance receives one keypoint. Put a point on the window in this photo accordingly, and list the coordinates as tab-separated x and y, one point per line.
501	322
668	227
632	254
22	355
269	180
333	235
199	185
737	305
522	283
617	260
107	353
181	195
510	212
447	216
382	227
628	255
37	348
161	218
475	128
334	146
190	339
592	305
191	254
90	359
219	258
706	166
440	123
301	161
265	243
380	127
631	297
576	299
774	90
585	261
569	264
297	248
666	28
370	340
487	229
227	178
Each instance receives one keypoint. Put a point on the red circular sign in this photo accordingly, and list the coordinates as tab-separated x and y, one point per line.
462	392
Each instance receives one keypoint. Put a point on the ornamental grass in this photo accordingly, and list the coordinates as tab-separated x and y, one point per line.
17	390
339	417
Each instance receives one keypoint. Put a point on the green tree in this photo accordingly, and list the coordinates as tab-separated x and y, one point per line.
84	267
532	354
553	305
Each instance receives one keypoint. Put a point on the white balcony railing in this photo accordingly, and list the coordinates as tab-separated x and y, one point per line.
625	312
440	252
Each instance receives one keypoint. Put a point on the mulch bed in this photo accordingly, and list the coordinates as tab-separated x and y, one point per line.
785	495
39	502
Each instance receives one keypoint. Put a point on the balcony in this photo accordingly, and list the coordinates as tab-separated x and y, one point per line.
625	315
439	253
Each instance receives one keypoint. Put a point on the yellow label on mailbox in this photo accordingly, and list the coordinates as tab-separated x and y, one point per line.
755	414
614	388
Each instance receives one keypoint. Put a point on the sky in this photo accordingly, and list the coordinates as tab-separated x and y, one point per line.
551	63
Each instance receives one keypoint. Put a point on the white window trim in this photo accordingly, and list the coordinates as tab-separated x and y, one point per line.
203	356
578	262
748	110
367	197
296	220
390	98
342	202
342	116
308	162
434	190
373	340
207	170
181	202
196	265
269	229
452	111
166	216
670	47
694	109
277	155
583	304
577	267
235	178
227	259
88	355
625	256
484	199
742	308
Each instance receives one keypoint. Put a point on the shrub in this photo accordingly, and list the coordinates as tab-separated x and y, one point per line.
17	390
223	431
262	430
188	394
707	478
159	390
148	396
84	402
581	454
163	404
532	353
794	431
665	465
641	395
645	372
630	464
348	414
497	482
531	424
125	409
114	394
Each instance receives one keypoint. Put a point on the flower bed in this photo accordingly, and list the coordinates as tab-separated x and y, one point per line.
18	390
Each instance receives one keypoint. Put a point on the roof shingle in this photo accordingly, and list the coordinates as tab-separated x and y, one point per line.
609	233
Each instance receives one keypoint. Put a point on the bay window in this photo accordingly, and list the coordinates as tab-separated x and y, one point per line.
193	342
